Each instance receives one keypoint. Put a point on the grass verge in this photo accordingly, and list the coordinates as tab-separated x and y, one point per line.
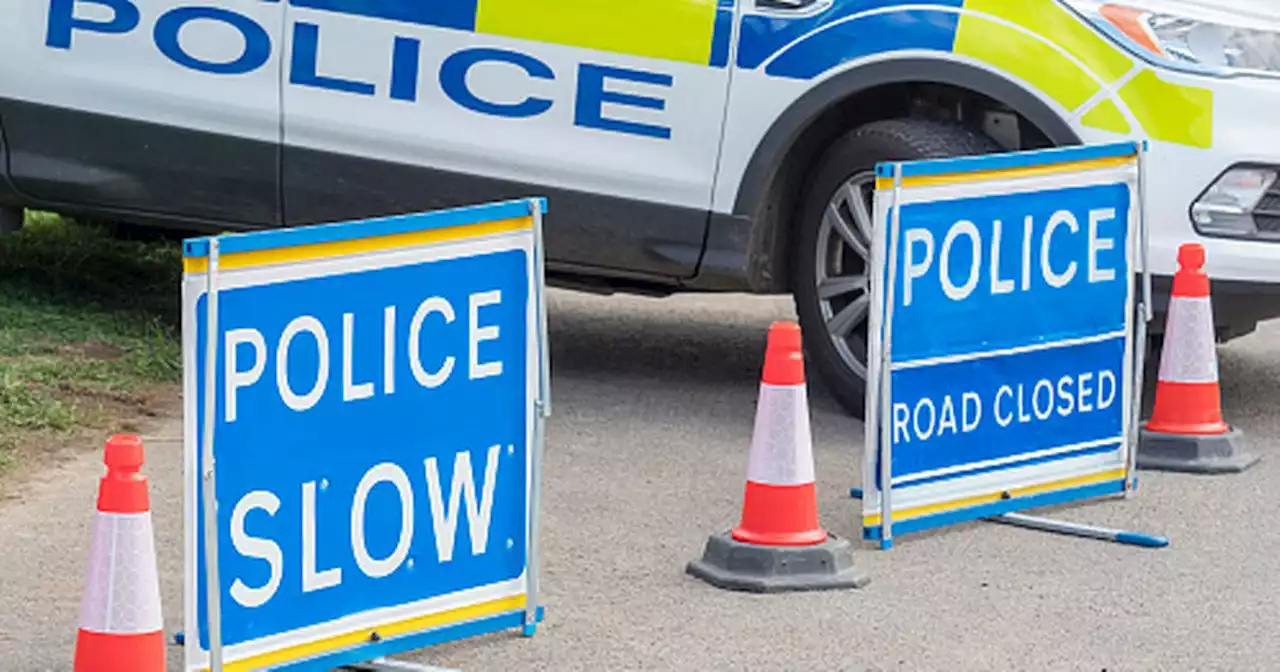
89	335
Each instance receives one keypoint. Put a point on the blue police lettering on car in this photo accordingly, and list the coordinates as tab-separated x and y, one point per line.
257	44
592	96
404	68
453	80
62	20
302	64
593	89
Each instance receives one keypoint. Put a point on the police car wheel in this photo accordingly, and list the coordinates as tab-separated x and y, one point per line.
829	260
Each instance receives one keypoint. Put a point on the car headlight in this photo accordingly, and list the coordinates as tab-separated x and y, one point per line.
1242	202
1217	46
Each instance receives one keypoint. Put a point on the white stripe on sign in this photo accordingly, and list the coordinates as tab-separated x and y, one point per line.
1189	354
782	446
1004	352
122	591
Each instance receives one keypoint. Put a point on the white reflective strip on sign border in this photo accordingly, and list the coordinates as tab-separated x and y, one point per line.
1190	353
1011	185
782	445
122	590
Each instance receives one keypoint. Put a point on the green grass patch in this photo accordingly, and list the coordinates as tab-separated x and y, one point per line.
88	322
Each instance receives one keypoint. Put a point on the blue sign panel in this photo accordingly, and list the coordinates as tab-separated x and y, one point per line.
1001	360
375	426
1002	258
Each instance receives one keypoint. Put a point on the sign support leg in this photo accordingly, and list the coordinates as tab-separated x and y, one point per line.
542	408
213	586
1145	315
388	665
886	372
1079	530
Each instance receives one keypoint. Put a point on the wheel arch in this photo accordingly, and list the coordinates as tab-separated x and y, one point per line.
768	191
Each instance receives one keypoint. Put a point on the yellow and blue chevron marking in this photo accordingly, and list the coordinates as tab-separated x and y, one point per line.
1039	42
807	46
692	31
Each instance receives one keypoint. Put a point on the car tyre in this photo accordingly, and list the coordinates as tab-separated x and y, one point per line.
829	257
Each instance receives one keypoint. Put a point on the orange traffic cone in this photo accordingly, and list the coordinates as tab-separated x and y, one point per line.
780	505
121	627
1186	431
778	544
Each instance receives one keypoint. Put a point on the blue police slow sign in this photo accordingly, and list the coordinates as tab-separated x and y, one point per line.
377	395
1001	361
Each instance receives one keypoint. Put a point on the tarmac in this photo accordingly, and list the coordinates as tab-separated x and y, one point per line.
646	456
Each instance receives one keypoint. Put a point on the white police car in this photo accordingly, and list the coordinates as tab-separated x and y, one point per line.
683	144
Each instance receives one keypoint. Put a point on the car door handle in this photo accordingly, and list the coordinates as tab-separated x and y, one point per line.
785	4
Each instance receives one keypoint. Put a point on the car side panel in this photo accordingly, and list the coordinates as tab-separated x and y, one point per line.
66	156
597	233
392	106
160	106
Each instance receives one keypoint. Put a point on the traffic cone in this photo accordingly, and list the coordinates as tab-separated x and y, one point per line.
778	545
1186	431
121	627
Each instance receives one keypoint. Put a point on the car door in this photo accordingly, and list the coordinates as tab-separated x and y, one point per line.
611	109
145	105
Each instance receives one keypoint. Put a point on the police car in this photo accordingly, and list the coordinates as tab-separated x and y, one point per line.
684	145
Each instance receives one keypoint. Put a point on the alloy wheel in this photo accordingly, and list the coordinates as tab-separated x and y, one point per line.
843	263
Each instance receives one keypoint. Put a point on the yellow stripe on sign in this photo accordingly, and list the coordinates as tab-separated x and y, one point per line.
1170	112
343	247
886	183
873	519
362	636
676	30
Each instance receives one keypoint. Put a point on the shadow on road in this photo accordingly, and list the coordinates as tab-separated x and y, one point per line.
687	348
1249	371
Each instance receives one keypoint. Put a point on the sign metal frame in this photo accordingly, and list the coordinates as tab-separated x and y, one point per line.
878	491
205	257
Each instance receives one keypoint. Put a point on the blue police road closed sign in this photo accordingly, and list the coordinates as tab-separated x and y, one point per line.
363	439
1002	349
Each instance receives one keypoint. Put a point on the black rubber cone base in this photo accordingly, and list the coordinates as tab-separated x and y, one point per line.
733	565
1216	454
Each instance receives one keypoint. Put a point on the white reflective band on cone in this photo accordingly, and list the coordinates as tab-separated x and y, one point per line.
782	446
122	593
1189	353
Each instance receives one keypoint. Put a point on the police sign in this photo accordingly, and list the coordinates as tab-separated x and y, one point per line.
364	407
1002	361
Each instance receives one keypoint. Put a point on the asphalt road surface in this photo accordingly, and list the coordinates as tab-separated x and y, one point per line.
646	456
